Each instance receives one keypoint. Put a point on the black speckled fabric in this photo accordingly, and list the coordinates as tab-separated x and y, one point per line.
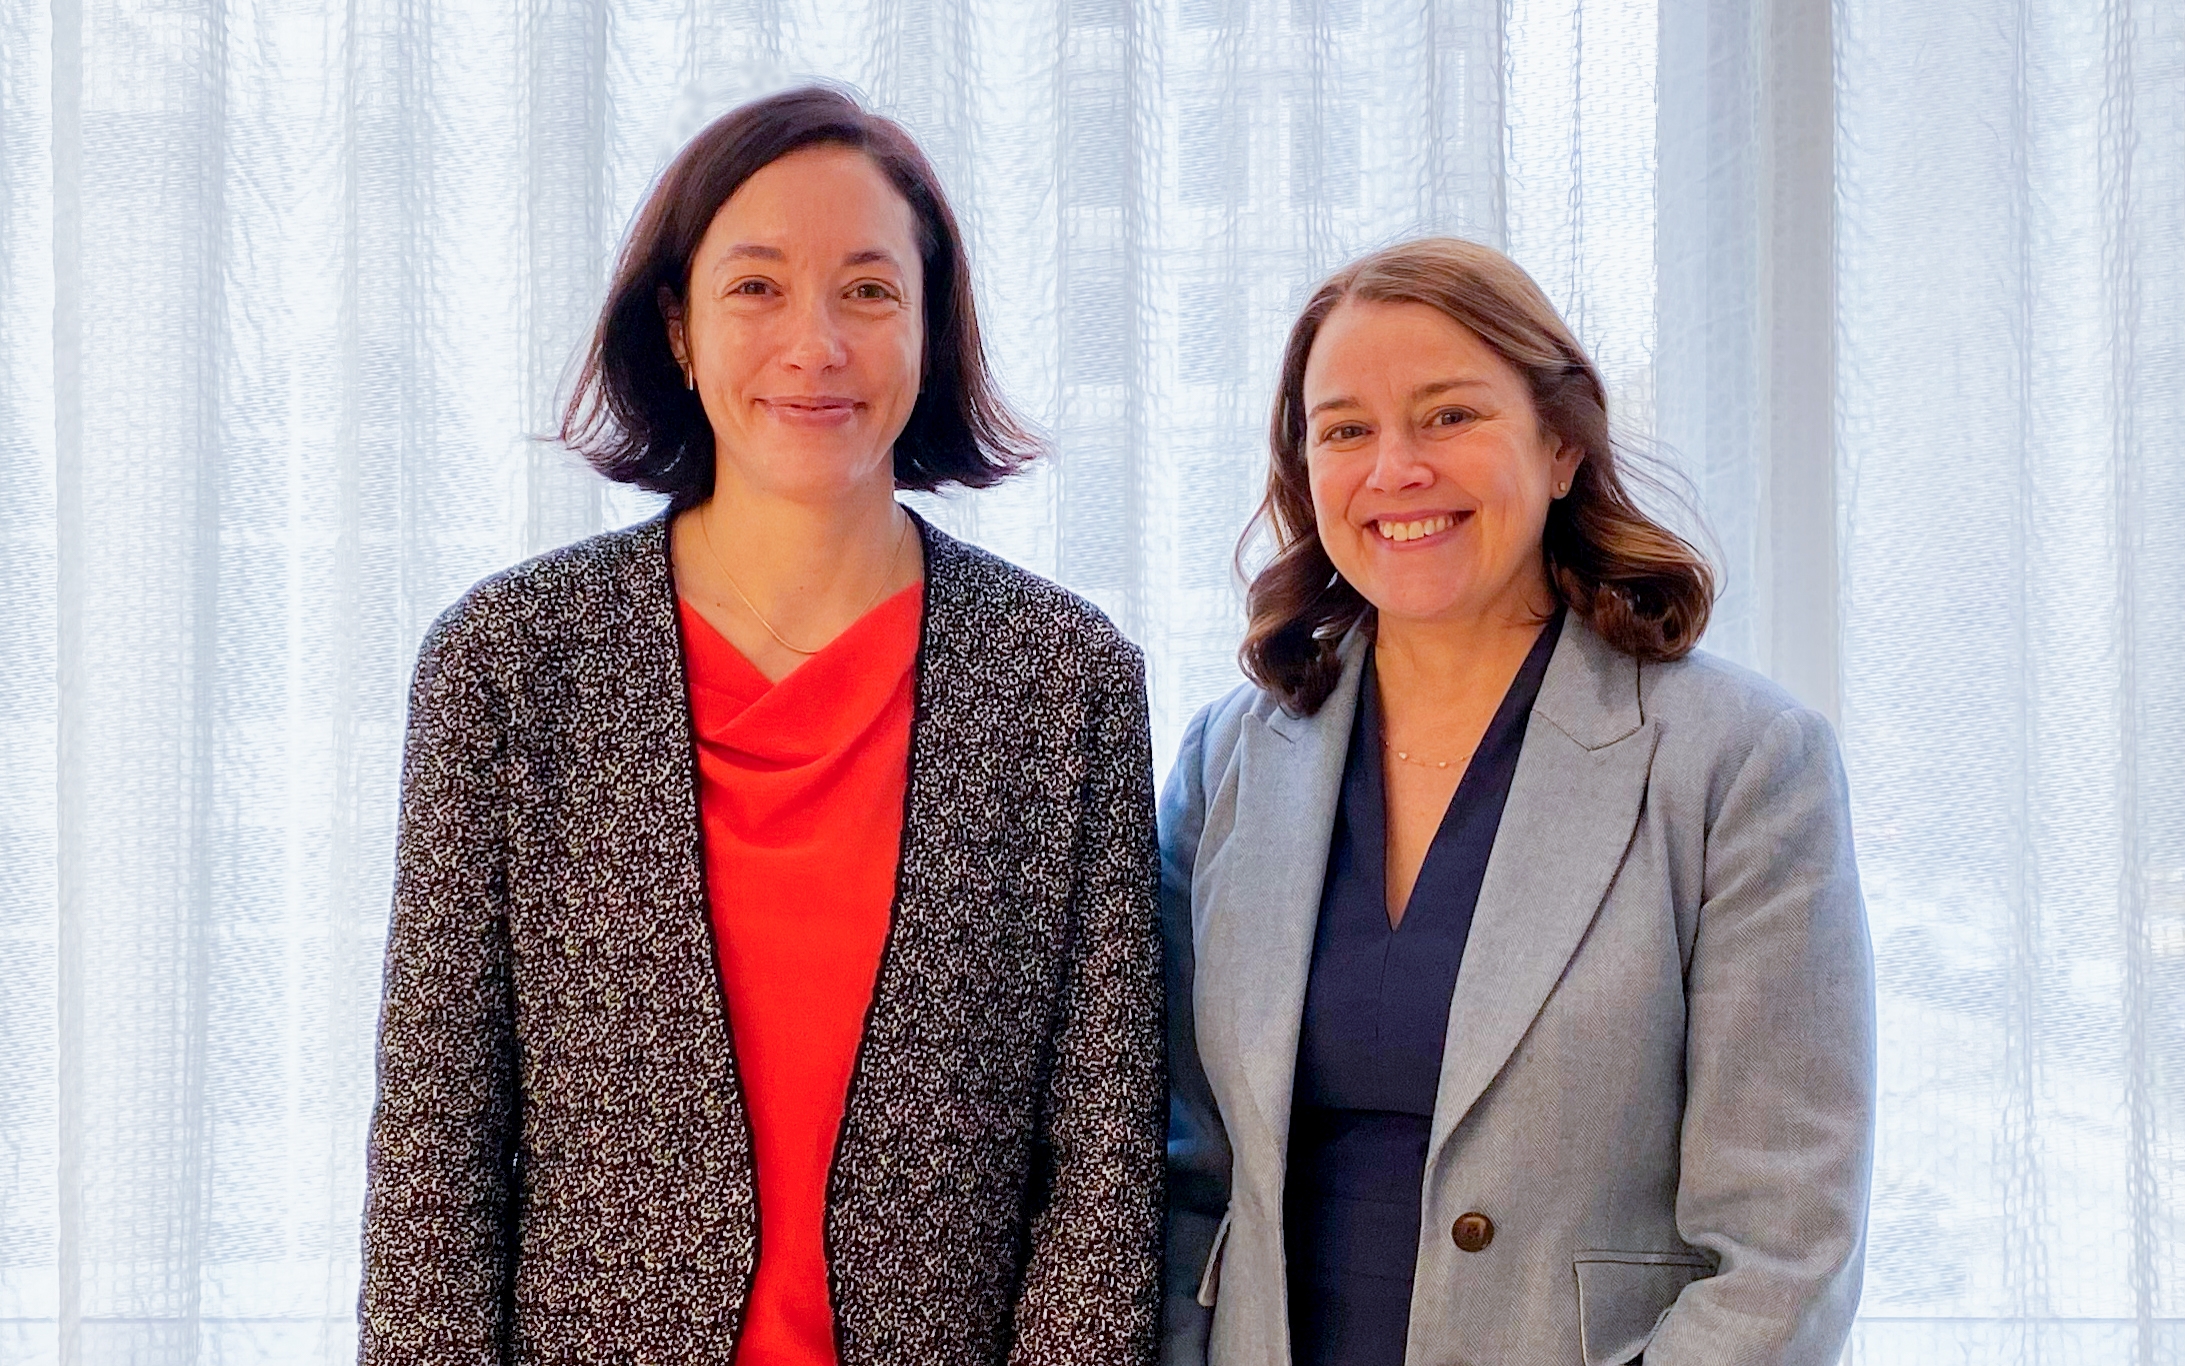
560	1166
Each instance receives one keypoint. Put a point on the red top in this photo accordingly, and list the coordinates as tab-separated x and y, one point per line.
802	796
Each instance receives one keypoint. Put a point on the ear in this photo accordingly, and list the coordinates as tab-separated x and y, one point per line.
1567	458
1563	469
671	310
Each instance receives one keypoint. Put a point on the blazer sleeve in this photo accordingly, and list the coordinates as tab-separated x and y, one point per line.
1091	1286
440	1165
1777	1145
1198	1147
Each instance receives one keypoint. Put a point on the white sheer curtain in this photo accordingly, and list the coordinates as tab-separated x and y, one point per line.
285	287
2011	316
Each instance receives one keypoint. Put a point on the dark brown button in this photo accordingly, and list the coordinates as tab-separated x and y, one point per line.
1473	1232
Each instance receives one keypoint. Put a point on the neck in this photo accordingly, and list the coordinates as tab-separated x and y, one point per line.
1456	666
795	558
779	578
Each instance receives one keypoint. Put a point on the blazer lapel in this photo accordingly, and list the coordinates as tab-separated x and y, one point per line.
651	814
1573	805
1268	905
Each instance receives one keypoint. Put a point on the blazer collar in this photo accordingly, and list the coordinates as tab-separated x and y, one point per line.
1573	805
1290	779
1591	692
1335	715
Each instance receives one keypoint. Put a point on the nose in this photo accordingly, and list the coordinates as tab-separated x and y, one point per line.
1399	463
815	341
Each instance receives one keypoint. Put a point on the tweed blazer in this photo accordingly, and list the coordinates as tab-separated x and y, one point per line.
1653	1128
561	1167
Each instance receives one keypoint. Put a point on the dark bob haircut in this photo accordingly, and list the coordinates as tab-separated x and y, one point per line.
630	414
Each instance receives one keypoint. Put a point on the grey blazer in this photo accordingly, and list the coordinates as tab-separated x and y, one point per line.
561	1167
1658	1086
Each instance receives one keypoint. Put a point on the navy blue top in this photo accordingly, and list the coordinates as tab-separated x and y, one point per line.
1370	1043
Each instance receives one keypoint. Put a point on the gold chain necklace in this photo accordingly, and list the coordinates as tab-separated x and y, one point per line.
893	556
1405	755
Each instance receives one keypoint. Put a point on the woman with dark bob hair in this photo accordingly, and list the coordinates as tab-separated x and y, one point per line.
774	970
1521	1006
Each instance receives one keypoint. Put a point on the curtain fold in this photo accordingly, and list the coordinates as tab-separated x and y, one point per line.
2012	316
288	292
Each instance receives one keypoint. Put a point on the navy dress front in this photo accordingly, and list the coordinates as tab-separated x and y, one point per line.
1370	1043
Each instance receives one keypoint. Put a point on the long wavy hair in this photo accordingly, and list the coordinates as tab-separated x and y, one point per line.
1639	585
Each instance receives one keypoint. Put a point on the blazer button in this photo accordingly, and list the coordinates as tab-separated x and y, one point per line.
1472	1232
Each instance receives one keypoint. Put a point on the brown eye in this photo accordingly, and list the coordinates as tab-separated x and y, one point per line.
749	287
1451	417
1344	431
871	289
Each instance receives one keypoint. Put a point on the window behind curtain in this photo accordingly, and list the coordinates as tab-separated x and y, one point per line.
286	289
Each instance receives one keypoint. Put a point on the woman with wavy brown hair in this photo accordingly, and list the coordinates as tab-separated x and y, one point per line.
1520	999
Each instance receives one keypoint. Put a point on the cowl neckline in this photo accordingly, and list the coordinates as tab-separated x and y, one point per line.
819	709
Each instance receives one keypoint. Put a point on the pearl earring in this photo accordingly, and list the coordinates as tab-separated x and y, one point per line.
1562	488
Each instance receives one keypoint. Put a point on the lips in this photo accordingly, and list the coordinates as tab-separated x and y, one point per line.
818	403
818	411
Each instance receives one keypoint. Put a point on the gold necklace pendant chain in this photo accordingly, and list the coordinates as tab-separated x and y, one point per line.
1405	756
886	574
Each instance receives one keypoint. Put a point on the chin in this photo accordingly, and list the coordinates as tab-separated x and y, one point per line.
814	472
1437	604
1411	613
1410	598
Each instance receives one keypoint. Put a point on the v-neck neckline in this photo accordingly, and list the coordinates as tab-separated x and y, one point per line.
821	705
1511	714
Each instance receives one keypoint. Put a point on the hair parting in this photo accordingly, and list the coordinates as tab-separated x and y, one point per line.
631	411
1639	585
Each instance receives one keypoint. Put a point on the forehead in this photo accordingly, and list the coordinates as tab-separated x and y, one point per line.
821	201
1363	342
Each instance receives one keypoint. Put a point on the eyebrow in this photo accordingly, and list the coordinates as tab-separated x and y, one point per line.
1439	386
755	251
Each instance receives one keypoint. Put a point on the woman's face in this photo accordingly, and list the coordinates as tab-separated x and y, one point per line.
805	327
1430	472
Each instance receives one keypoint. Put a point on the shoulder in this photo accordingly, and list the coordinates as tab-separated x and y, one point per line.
1210	740
979	604
1703	683
1715	717
1208	754
553	601
1707	694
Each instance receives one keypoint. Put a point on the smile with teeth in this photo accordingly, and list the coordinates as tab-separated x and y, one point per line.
1412	531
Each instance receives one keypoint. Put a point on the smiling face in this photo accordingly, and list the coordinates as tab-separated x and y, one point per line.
805	328
1430	472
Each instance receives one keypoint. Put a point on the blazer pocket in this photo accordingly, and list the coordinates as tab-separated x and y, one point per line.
1622	1297
1210	1277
